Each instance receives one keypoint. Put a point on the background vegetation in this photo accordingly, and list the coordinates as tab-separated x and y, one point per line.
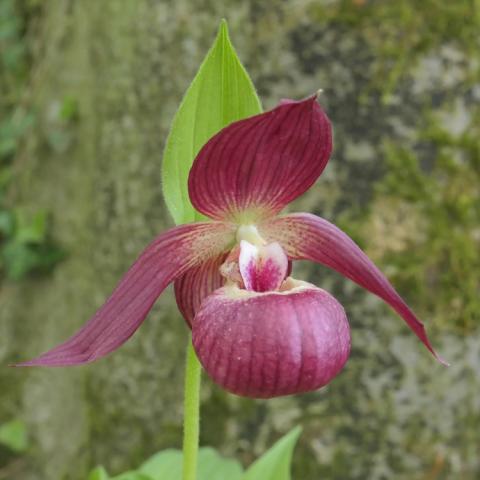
87	92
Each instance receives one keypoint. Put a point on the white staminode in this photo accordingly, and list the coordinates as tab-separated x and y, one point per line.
262	267
250	234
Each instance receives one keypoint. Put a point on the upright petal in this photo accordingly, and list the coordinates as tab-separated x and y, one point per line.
166	258
253	168
307	237
196	284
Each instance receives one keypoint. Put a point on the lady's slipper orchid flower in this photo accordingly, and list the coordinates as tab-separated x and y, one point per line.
257	331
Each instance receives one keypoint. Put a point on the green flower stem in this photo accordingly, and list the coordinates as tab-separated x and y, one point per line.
191	412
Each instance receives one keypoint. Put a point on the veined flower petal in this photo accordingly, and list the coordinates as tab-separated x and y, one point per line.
166	258
269	344
196	284
307	237
253	168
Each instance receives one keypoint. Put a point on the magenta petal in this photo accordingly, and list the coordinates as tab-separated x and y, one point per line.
167	257
196	284
254	167
265	345
308	237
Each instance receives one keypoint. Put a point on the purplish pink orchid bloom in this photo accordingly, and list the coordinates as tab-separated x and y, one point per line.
257	331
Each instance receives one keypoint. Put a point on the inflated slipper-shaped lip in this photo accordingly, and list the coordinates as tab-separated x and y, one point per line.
268	344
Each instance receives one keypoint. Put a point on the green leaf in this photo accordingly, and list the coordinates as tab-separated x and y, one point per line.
212	466
18	259
163	465
167	465
13	434
275	463
135	476
220	94
30	228
69	108
98	473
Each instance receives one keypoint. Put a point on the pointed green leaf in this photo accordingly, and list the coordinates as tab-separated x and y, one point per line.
98	473
275	463
220	93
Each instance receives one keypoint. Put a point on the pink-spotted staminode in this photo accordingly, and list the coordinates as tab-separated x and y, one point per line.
257	331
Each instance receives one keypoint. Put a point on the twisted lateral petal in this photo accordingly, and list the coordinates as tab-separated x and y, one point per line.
265	345
166	258
307	237
196	284
254	167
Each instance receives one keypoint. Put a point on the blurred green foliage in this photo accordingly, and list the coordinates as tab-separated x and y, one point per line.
13	435
14	444
25	245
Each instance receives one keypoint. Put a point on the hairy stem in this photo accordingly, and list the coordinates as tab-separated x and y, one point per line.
191	409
